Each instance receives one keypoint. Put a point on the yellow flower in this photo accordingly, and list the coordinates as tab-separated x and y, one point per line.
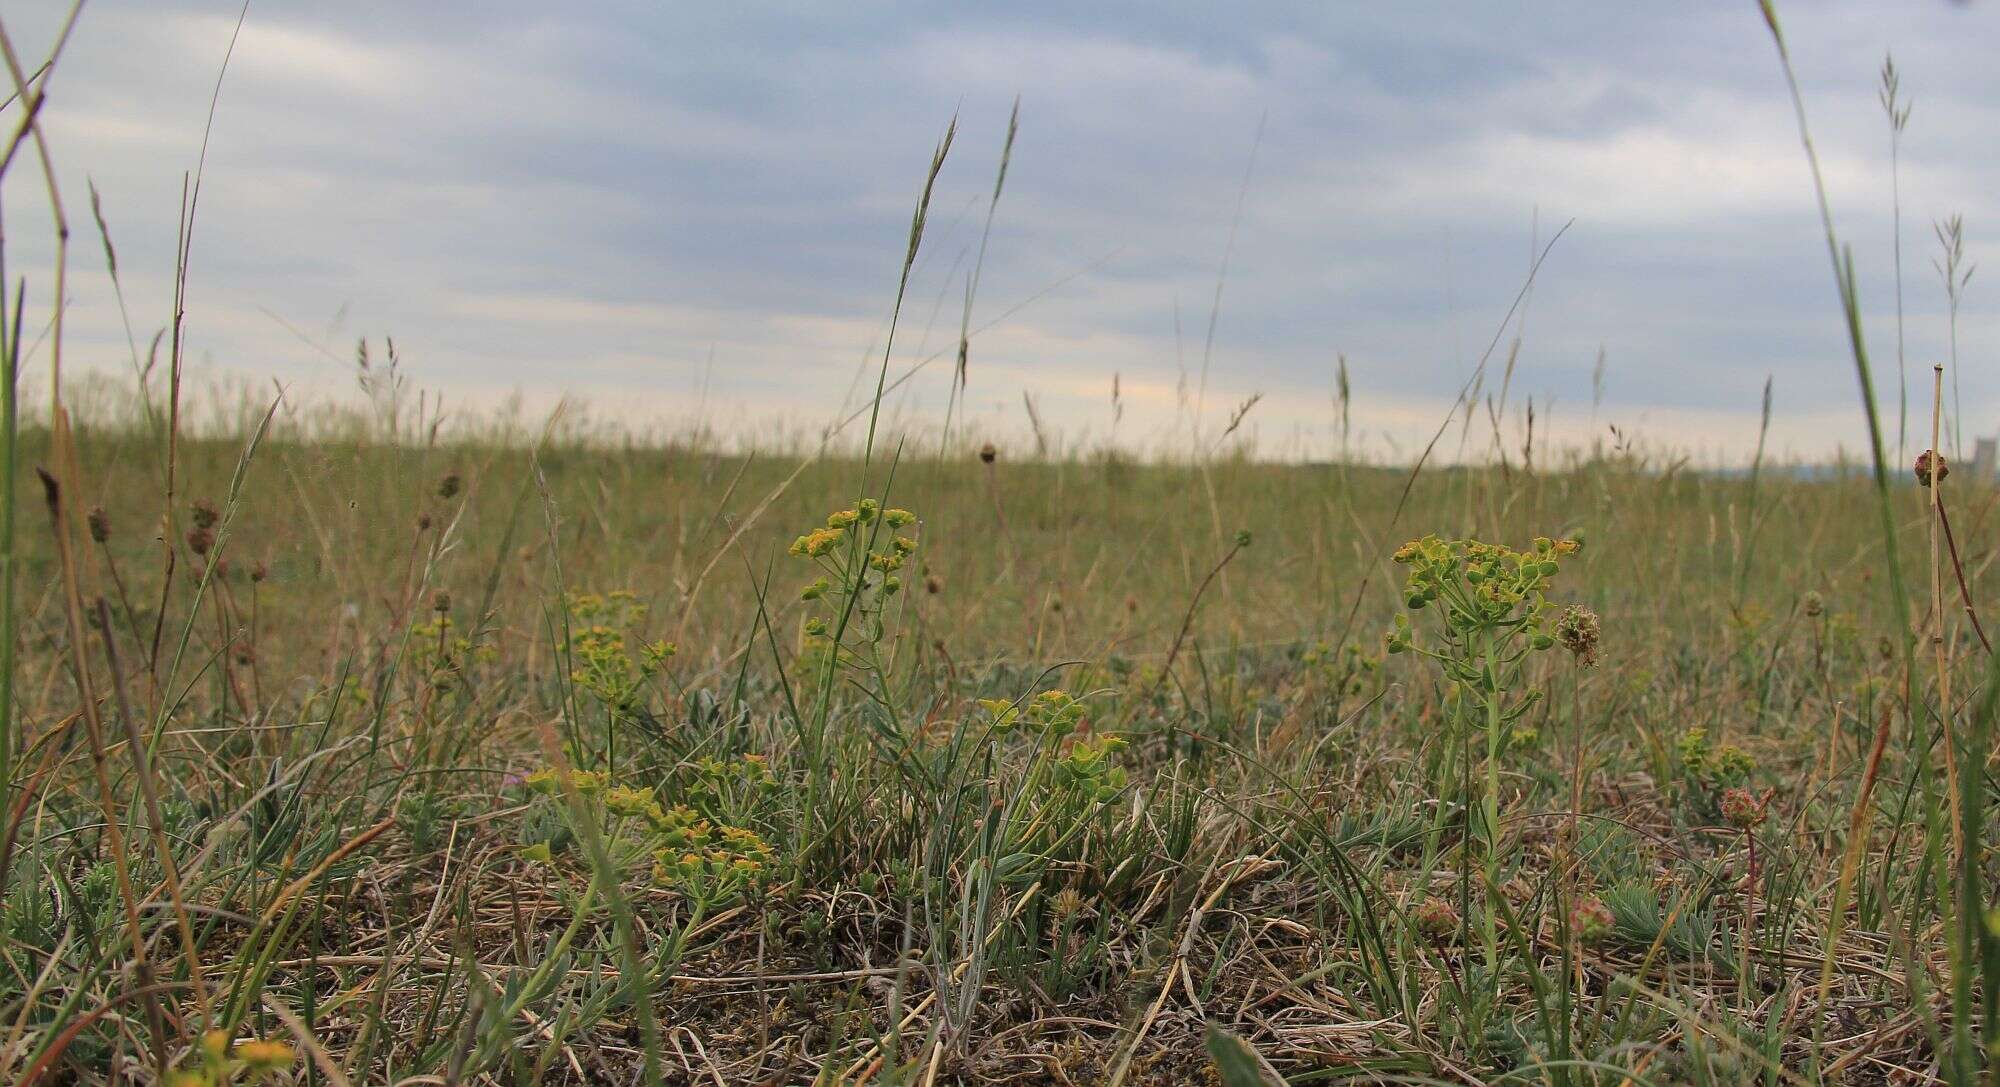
631	803
266	1056
816	543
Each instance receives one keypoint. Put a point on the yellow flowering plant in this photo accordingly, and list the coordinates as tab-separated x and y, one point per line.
859	572
219	1061
1491	613
859	553
607	663
708	862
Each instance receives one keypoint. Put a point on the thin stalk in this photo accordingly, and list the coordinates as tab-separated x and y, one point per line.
1939	637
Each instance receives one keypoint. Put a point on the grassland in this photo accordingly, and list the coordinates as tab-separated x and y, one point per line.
341	748
392	635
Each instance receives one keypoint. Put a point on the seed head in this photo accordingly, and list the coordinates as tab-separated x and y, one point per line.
1577	629
423	521
1067	903
987	453
200	538
204	513
1741	808
1931	467
100	524
1590	919
449	486
933	584
1437	919
441	601
259	571
1812	604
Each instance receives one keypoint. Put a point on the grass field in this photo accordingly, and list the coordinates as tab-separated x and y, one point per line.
1287	835
361	751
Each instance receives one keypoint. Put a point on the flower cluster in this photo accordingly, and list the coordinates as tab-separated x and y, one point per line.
439	651
1087	769
1577	629
201	537
1716	769
1480	585
1052	714
841	524
222	1062
746	773
861	553
1930	467
1436	919
705	860
1590	920
548	781
1741	808
1712	774
602	661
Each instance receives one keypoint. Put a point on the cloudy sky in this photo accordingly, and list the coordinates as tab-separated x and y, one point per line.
673	210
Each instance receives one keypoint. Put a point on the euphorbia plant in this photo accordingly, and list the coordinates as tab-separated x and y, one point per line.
1491	613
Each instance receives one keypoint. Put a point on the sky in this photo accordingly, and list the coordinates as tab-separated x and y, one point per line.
698	213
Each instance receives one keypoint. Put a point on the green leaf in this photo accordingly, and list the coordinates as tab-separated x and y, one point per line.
1233	1059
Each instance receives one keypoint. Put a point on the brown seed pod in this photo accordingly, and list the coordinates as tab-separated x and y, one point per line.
1931	467
987	454
1577	629
100	524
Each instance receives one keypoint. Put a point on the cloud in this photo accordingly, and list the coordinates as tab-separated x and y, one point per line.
634	204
